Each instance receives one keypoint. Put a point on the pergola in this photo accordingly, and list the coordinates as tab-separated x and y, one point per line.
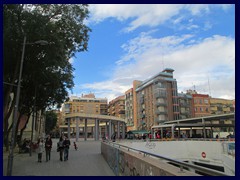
223	120
96	121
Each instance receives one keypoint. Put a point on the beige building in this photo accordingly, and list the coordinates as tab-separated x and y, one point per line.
221	106
131	106
116	107
87	104
156	100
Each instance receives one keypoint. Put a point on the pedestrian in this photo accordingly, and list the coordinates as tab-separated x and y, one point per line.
48	147
66	145
75	146
40	149
60	148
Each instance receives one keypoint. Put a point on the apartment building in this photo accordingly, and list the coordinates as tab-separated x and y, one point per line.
221	106
157	100
116	107
201	105
131	106
185	106
88	104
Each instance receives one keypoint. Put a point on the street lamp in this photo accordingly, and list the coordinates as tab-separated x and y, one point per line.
34	117
10	157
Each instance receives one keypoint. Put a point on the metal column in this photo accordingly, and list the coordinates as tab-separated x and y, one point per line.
204	129
96	130
123	130
118	129
69	128
110	130
77	128
161	133
172	131
85	129
191	132
106	130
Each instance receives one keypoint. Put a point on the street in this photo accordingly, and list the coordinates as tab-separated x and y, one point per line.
86	161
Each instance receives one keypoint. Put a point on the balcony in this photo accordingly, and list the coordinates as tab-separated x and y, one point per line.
160	112
159	121
121	111
141	100
159	86
161	104
161	95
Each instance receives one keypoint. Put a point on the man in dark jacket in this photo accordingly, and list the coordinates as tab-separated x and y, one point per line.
66	145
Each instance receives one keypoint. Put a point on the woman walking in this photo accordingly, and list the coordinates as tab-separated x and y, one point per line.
48	147
40	149
60	148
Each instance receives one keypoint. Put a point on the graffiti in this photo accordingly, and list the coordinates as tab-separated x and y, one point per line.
149	171
121	163
133	172
150	145
124	164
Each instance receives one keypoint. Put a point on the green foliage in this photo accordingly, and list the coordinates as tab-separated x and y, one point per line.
46	68
50	122
47	73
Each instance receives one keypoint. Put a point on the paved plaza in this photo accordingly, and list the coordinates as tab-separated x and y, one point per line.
86	161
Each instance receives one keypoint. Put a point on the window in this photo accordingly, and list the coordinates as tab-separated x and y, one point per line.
206	101
195	109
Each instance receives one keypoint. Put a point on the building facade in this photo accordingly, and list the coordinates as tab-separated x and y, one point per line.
221	106
157	100
201	105
116	107
131	106
87	104
185	106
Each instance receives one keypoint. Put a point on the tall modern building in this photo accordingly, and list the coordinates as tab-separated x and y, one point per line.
131	106
157	100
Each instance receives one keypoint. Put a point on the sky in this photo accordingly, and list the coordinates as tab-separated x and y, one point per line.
136	41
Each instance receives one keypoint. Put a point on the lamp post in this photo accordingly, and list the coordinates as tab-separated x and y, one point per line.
10	156
34	118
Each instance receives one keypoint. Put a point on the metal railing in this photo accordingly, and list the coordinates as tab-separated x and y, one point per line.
181	164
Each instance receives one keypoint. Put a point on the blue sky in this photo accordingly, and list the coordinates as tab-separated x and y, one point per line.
136	41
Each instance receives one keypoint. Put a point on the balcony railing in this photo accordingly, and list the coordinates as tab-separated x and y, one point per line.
161	104
162	95
160	112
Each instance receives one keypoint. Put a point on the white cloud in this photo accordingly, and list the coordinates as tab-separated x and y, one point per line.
210	59
71	60
208	64
147	14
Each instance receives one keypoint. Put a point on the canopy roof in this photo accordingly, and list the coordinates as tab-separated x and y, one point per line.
138	132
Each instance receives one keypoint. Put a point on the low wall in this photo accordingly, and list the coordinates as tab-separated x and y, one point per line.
127	163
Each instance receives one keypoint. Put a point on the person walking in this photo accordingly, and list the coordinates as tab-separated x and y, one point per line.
40	149
48	147
66	145
60	147
75	145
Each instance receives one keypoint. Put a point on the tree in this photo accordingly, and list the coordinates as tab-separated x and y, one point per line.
59	24
51	121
